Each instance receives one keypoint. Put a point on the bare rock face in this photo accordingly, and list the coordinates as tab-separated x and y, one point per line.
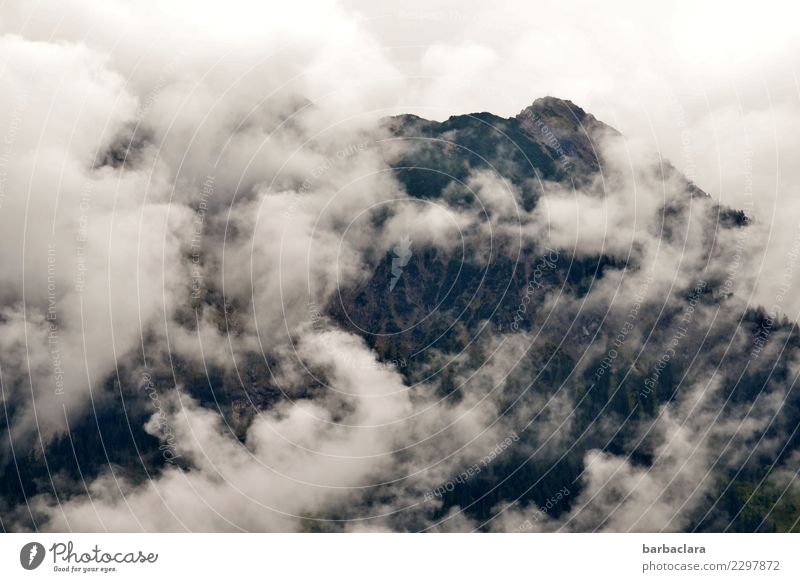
566	129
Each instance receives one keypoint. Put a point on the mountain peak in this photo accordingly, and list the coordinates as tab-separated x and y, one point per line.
553	106
560	114
566	128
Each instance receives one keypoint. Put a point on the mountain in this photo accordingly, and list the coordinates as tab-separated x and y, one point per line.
595	304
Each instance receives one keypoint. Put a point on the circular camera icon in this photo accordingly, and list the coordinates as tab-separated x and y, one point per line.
31	555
